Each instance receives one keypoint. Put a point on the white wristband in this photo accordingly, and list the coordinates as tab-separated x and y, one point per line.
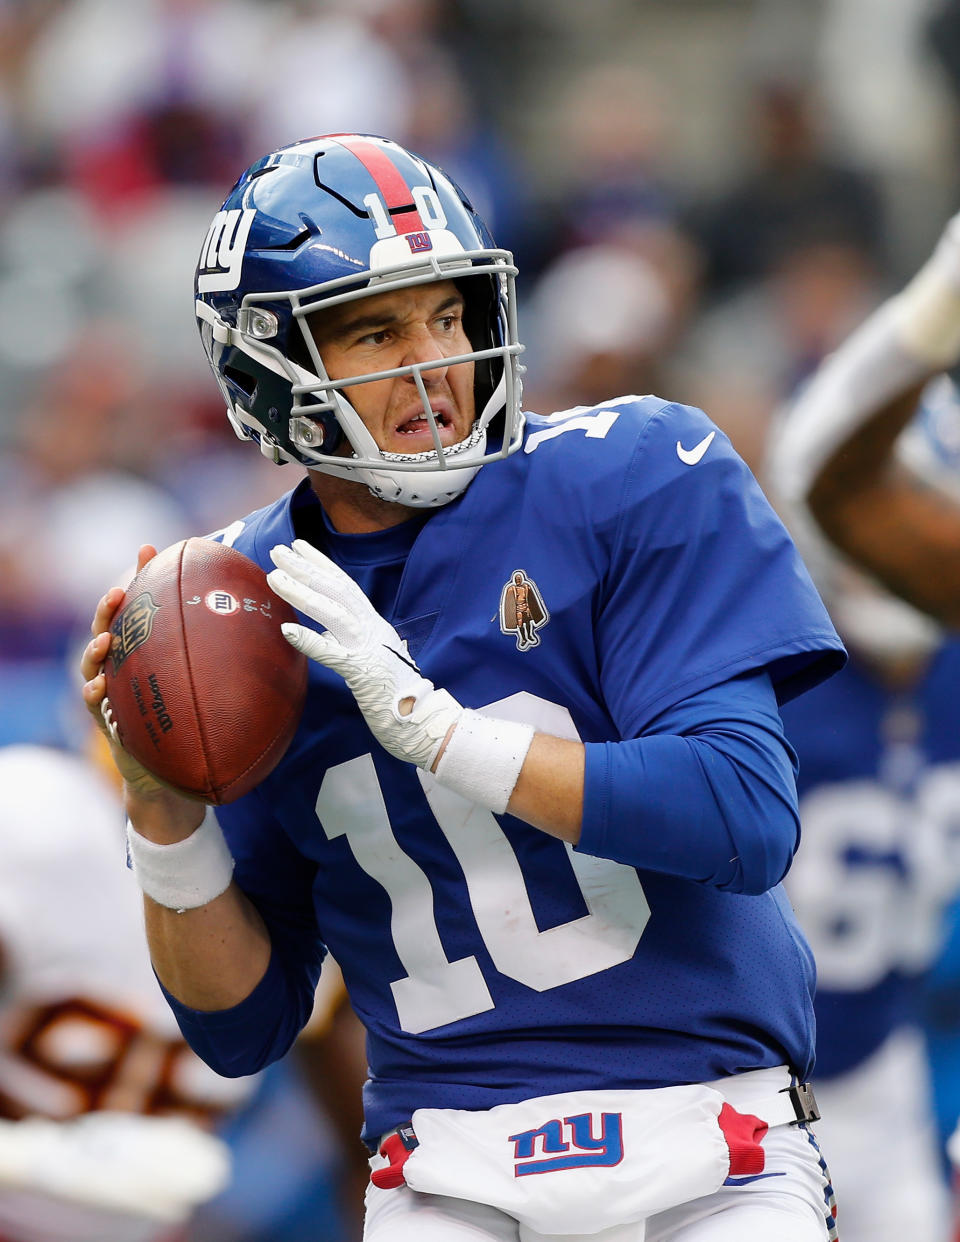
483	758
186	874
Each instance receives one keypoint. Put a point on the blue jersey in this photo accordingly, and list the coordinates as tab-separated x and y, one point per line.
622	562
879	791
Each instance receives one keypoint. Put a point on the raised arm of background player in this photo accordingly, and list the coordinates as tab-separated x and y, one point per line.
837	454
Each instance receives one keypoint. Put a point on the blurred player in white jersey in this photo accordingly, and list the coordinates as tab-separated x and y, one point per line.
106	1112
106	1115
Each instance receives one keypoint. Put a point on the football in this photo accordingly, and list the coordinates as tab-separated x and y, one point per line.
203	688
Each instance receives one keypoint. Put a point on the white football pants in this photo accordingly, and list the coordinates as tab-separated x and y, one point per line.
788	1208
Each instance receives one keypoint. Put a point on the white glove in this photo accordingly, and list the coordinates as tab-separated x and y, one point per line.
366	651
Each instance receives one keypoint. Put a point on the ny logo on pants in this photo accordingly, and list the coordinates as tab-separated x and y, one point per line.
570	1144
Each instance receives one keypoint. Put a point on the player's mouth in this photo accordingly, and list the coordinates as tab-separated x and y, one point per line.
415	430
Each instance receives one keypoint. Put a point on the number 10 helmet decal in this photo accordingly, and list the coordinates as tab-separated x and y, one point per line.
333	220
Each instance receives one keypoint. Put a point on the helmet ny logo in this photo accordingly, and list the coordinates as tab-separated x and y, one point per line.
569	1144
223	248
522	610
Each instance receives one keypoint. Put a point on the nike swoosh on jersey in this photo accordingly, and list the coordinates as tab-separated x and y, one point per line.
754	1177
690	457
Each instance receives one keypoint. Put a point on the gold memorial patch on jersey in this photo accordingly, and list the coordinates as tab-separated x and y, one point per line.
522	610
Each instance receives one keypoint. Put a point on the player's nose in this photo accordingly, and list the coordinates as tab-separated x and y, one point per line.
424	349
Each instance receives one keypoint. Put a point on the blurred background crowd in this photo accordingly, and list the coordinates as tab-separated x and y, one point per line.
703	197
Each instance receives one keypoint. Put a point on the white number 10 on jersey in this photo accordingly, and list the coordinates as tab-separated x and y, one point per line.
435	990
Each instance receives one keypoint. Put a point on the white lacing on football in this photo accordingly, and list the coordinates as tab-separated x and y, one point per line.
186	874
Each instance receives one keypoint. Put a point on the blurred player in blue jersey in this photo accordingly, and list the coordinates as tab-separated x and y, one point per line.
540	802
879	750
871	449
879	864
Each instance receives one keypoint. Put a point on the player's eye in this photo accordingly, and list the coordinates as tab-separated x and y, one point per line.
380	337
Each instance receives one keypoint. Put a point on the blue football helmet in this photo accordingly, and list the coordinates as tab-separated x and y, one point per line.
331	220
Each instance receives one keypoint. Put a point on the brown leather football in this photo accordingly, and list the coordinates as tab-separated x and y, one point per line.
204	689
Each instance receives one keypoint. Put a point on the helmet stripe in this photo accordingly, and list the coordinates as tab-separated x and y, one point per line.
390	182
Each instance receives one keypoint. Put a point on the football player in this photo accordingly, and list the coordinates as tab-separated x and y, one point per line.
844	452
877	869
105	1113
871	450
108	1120
549	871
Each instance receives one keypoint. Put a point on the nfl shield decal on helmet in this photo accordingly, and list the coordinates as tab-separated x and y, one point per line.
522	610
